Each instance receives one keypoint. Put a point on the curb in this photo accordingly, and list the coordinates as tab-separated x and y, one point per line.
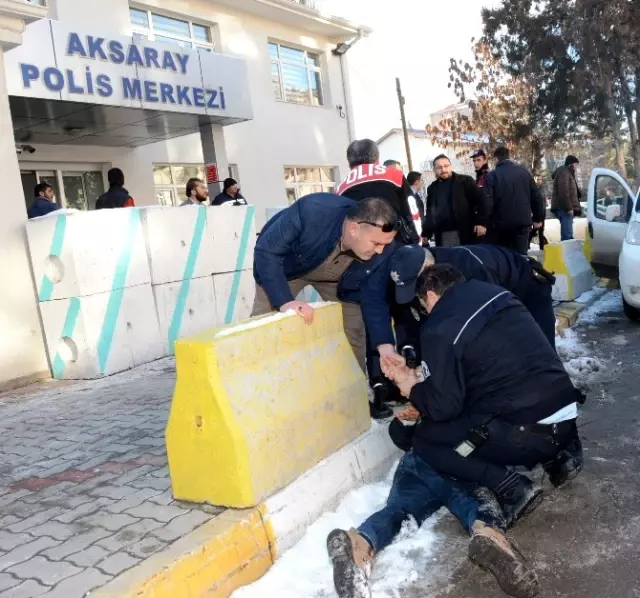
240	546
567	313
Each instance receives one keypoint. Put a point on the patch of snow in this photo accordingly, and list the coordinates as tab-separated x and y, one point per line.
305	571
590	295
583	369
609	304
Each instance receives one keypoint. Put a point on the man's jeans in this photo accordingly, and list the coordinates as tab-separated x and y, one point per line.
418	492
566	224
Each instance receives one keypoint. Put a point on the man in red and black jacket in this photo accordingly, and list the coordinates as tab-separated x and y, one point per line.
117	196
368	179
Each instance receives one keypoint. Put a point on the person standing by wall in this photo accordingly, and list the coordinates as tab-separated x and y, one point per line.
565	203
516	203
457	212
197	193
43	202
117	196
230	195
481	164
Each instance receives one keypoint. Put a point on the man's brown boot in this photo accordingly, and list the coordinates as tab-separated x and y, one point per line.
491	550
351	557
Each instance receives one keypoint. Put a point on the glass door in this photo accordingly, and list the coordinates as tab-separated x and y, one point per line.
82	189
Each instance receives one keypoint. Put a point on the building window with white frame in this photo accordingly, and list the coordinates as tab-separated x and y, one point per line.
156	27
296	75
171	181
303	180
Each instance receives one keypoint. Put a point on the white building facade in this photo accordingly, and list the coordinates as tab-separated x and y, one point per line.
161	88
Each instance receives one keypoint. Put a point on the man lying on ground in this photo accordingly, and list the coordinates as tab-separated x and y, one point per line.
418	491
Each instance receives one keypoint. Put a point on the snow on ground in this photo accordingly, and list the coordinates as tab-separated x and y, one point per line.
305	570
609	305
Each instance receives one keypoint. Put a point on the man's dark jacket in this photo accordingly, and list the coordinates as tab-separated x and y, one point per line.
116	197
486	263
40	207
514	195
470	208
484	357
299	239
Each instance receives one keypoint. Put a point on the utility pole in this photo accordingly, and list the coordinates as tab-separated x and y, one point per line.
404	124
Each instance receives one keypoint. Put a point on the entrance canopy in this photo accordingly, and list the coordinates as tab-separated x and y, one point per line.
54	122
78	88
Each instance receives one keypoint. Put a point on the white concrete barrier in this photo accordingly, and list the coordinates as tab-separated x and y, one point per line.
185	308
76	254
101	334
161	272
571	268
233	233
177	243
235	293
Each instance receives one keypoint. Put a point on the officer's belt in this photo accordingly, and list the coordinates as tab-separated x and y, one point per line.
546	430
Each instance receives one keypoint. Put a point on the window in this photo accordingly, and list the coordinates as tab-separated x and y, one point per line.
301	181
155	27
296	75
613	203
171	182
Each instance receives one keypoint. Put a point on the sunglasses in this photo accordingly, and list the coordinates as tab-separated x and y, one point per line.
387	227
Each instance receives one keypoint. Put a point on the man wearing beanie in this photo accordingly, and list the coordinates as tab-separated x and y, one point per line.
565	203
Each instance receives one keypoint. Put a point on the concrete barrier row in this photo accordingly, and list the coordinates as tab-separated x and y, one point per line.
116	288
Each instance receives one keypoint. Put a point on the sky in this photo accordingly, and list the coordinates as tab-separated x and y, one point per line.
413	40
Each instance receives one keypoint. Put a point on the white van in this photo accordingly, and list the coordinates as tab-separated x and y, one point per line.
614	230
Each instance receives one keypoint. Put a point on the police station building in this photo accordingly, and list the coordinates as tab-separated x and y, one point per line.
165	90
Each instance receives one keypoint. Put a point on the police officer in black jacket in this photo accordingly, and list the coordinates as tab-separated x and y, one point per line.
492	393
525	277
516	204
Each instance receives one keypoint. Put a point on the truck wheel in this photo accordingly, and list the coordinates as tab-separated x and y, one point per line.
633	313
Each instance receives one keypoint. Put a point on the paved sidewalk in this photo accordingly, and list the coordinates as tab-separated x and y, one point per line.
84	485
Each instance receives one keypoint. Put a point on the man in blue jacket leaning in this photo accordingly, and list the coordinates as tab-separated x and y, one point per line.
327	241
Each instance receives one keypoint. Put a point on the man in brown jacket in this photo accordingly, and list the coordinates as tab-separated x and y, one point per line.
565	203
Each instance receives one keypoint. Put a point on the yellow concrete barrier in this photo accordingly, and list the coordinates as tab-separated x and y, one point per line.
573	272
260	403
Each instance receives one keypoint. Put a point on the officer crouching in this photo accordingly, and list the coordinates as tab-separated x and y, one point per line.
492	393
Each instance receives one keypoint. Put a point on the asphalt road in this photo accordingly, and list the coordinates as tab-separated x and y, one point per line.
584	540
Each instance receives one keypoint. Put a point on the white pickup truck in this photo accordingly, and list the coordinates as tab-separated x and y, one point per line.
613	213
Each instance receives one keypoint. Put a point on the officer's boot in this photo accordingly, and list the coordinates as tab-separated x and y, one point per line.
491	550
567	464
518	496
378	407
351	558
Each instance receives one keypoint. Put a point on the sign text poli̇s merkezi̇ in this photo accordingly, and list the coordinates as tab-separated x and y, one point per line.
98	48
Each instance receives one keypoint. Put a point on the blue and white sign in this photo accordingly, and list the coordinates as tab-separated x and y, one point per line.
59	62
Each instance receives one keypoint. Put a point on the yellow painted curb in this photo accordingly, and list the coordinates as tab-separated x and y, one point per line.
226	553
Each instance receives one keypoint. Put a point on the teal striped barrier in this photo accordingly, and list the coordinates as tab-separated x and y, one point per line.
190	265
242	256
315	296
117	290
46	286
58	364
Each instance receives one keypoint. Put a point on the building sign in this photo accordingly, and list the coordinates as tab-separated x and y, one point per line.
75	66
212	173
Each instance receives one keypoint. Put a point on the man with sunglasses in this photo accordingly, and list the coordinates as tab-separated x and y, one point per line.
329	242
